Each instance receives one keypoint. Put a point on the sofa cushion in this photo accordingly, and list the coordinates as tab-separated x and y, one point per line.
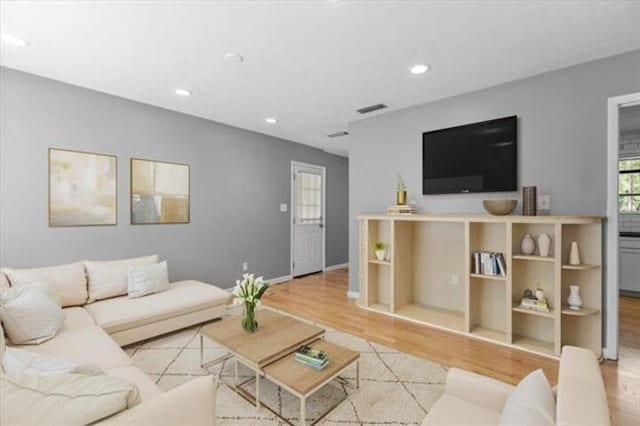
76	317
109	278
87	344
29	316
146	386
531	403
24	362
183	297
67	281
4	281
148	279
450	410
63	399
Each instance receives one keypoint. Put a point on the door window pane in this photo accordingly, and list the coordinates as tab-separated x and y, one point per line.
309	208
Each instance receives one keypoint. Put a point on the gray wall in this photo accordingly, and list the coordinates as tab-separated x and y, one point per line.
238	180
562	141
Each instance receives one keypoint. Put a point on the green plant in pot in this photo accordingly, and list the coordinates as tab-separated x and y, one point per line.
380	249
249	291
401	191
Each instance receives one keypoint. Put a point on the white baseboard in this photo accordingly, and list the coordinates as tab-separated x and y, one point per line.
353	294
279	280
338	266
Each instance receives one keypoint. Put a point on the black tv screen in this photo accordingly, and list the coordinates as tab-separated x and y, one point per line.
478	157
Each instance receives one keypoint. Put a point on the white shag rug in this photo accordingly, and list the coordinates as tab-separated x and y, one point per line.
395	388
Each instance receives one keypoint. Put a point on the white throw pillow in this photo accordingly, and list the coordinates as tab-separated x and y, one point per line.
109	279
531	403
68	282
148	279
23	362
29	316
63	399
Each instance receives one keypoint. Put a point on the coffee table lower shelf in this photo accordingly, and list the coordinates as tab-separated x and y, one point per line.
299	380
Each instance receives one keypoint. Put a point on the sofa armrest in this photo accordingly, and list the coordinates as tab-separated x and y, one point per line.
582	398
192	404
478	389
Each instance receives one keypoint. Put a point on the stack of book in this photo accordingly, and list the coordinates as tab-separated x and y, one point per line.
401	209
314	358
488	263
535	304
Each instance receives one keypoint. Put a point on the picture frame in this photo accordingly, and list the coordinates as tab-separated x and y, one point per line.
160	192
82	188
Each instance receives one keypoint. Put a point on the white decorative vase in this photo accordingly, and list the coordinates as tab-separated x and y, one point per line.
527	245
544	244
574	254
540	294
380	254
574	300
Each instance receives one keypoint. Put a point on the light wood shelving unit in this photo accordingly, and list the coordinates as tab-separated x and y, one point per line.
428	277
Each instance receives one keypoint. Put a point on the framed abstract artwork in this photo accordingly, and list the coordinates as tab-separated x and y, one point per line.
159	192
82	188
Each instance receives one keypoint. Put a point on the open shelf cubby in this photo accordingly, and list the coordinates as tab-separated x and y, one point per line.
428	277
582	327
429	271
488	294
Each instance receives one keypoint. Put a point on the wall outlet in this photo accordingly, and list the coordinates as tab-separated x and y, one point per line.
283	207
544	202
245	266
455	280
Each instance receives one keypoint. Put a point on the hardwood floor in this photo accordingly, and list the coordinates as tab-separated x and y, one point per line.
323	298
630	322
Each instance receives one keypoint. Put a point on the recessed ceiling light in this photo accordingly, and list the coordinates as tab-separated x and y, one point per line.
183	92
271	120
14	40
233	57
420	68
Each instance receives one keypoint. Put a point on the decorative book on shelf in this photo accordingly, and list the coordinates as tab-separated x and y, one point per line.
401	209
535	304
314	358
488	263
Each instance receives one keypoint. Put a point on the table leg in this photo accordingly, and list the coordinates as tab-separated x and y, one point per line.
235	381
201	353
358	374
303	414
257	389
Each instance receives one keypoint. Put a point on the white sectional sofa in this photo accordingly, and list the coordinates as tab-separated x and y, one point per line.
472	399
94	332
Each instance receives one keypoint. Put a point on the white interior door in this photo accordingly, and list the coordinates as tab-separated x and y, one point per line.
307	218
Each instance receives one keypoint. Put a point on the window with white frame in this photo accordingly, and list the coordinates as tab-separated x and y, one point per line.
629	185
309	208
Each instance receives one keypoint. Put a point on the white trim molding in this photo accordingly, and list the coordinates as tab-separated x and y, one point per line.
610	350
353	294
338	266
279	280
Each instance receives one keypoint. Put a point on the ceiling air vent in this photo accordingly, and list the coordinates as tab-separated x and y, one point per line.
367	110
338	134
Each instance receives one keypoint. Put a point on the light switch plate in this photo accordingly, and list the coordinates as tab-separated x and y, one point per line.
544	202
283	207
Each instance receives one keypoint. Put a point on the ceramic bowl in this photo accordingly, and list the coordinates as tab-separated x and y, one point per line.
500	207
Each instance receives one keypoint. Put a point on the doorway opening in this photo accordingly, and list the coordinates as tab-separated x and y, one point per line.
623	229
308	196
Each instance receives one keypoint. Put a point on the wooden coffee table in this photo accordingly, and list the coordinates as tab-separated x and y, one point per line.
269	352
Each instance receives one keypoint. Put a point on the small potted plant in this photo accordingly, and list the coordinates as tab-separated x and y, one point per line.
380	250
401	192
248	291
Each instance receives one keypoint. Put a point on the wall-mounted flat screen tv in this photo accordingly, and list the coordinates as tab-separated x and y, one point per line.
478	157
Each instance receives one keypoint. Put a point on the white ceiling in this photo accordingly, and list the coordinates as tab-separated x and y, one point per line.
309	63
